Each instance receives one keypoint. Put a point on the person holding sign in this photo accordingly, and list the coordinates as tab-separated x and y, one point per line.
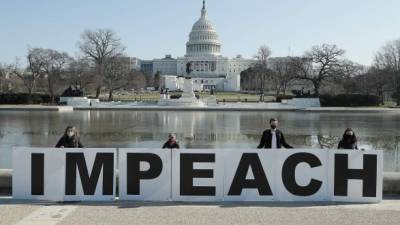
171	143
70	139
349	140
273	138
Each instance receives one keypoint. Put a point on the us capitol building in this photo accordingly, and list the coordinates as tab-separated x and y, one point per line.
203	50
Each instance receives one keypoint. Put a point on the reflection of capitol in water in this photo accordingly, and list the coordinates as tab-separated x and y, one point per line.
201	128
194	129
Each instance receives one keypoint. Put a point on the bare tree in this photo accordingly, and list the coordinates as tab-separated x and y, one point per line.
261	68
387	61
378	82
81	72
319	64
99	45
138	80
34	70
282	75
54	66
348	76
351	81
117	74
3	74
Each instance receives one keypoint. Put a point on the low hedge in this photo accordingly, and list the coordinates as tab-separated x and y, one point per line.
283	97
24	98
177	96
349	100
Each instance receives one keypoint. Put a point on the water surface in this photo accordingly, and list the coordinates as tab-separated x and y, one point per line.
198	129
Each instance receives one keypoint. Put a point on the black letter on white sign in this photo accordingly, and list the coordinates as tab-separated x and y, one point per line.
260	179
134	175
289	175
37	174
343	174
188	173
89	183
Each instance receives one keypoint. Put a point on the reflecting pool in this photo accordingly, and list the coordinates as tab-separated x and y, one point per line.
198	129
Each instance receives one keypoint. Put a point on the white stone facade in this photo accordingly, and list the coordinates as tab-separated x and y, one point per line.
174	83
203	51
165	66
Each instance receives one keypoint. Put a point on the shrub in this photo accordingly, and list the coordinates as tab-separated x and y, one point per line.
283	97
24	98
349	100
175	96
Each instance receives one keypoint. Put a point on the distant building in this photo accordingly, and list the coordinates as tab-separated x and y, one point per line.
166	65
146	66
133	62
203	50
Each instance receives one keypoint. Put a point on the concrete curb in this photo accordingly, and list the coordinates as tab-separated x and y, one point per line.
208	109
35	108
391	182
237	107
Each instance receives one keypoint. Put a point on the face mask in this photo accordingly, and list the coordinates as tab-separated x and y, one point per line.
273	127
349	134
70	133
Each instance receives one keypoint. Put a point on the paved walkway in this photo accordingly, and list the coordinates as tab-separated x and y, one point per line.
28	213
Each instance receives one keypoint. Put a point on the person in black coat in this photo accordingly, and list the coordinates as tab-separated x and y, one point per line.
349	140
171	143
273	138
70	139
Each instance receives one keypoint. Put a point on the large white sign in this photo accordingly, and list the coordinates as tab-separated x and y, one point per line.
250	175
198	174
145	174
64	174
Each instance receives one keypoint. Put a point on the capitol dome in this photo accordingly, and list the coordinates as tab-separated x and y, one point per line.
203	39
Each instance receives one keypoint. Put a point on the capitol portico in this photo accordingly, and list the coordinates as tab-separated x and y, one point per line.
210	69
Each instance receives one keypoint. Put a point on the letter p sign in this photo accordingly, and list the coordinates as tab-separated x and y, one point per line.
144	175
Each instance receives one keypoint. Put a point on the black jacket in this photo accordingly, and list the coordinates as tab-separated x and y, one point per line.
168	144
69	142
266	140
345	145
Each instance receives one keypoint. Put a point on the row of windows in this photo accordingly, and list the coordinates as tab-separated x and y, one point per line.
198	48
165	64
166	67
204	81
203	37
166	70
203	27
209	87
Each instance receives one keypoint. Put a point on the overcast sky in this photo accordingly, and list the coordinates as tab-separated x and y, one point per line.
152	28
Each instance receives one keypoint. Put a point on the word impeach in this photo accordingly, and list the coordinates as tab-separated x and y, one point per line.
197	175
